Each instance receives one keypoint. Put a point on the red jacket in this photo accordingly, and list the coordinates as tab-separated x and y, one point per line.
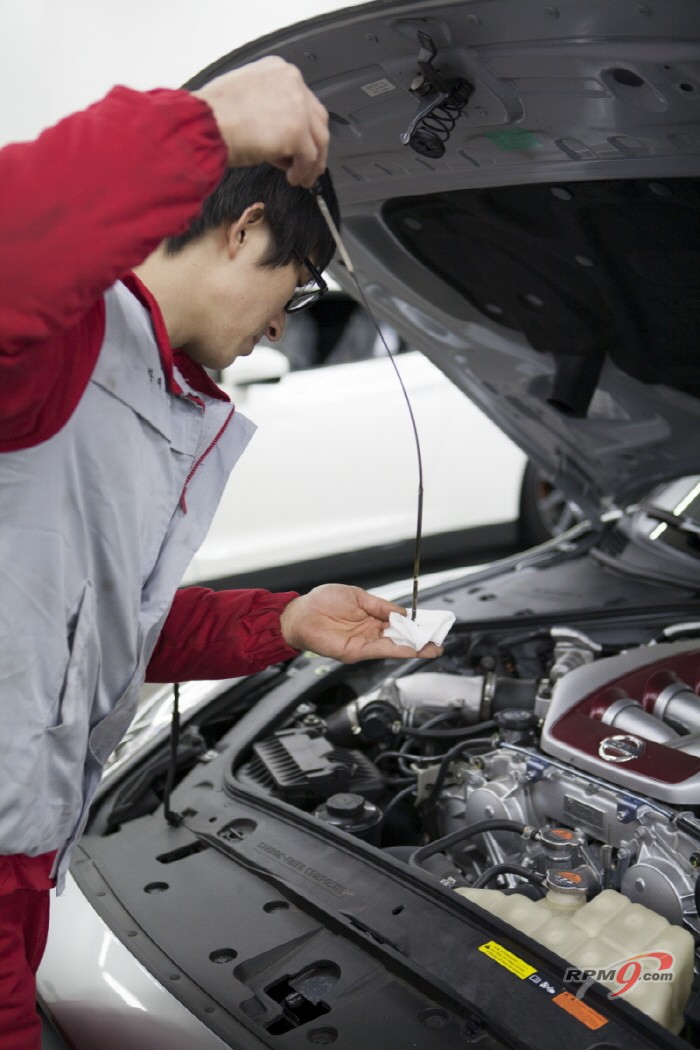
80	206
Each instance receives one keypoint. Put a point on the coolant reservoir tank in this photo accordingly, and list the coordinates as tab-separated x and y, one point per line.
611	935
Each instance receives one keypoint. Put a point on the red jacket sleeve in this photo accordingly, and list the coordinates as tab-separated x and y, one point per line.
219	634
92	196
82	204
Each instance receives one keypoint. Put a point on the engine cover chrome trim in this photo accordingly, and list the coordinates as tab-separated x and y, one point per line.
621	748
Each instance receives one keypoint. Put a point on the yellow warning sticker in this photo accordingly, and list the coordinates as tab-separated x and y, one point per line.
505	958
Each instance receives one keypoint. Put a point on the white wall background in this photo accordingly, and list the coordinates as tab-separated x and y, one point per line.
57	56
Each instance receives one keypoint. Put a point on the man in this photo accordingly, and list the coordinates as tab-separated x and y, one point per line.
115	445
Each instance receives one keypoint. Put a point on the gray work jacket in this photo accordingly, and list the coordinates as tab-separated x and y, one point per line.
97	526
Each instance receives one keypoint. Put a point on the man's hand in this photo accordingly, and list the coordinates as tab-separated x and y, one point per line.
266	113
345	623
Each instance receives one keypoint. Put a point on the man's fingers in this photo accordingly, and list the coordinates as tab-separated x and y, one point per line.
378	607
307	164
320	132
265	112
311	158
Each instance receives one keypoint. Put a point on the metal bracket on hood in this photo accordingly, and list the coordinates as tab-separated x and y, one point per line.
442	105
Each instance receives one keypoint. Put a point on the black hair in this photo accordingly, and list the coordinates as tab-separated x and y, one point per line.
291	213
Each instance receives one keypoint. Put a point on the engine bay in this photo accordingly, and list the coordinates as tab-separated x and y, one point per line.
540	759
417	762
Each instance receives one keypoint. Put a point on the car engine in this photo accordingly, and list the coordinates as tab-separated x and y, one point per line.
549	761
594	767
529	759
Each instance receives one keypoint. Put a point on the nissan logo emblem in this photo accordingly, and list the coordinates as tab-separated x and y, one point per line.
622	748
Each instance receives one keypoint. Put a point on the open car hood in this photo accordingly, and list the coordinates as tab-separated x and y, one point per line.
538	238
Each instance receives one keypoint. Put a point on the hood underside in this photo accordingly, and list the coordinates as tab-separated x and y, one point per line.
519	185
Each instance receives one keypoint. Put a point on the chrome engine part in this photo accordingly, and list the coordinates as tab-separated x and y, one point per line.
536	758
598	759
632	719
618	840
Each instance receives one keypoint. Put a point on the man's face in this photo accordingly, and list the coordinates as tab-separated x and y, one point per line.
236	300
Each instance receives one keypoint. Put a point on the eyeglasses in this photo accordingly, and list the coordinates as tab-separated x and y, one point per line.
309	293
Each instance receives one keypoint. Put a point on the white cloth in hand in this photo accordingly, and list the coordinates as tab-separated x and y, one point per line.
430	625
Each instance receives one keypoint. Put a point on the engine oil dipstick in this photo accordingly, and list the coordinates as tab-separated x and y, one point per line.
317	191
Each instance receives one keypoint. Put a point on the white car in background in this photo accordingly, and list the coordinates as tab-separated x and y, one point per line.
330	480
